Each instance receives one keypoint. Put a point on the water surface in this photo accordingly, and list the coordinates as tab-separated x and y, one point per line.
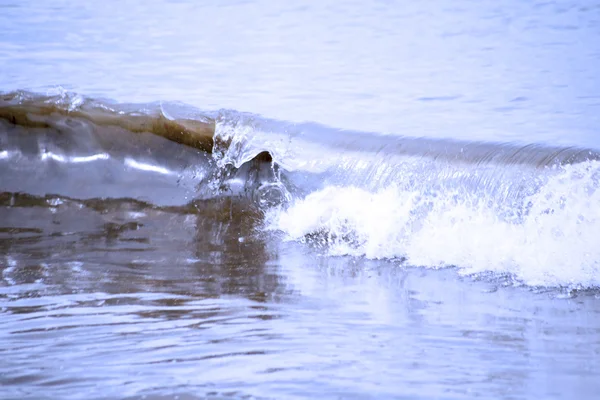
299	200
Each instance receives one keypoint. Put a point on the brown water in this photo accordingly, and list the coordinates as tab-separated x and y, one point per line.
136	267
335	199
117	299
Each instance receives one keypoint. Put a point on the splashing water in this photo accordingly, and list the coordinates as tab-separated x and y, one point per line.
529	211
550	239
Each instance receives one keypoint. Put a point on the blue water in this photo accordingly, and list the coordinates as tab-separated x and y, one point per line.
509	71
401	268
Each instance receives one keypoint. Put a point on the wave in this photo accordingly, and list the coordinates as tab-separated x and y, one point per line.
527	210
550	238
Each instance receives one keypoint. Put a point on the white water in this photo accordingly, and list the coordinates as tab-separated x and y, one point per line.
555	241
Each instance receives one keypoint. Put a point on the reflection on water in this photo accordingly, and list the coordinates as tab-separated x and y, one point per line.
121	299
143	253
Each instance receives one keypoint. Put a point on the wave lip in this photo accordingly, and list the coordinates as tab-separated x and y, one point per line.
37	111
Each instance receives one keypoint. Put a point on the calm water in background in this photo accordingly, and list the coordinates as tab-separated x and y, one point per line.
493	71
155	296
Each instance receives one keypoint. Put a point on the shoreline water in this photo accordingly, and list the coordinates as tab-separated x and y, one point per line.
350	193
265	200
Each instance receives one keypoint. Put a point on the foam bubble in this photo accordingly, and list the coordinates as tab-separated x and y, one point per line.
550	238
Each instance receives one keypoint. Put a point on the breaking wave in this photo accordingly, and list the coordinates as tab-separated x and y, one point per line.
530	211
550	238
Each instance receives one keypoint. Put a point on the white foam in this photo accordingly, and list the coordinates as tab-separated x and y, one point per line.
555	243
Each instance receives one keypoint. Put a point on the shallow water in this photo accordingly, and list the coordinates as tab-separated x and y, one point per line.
299	200
118	300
